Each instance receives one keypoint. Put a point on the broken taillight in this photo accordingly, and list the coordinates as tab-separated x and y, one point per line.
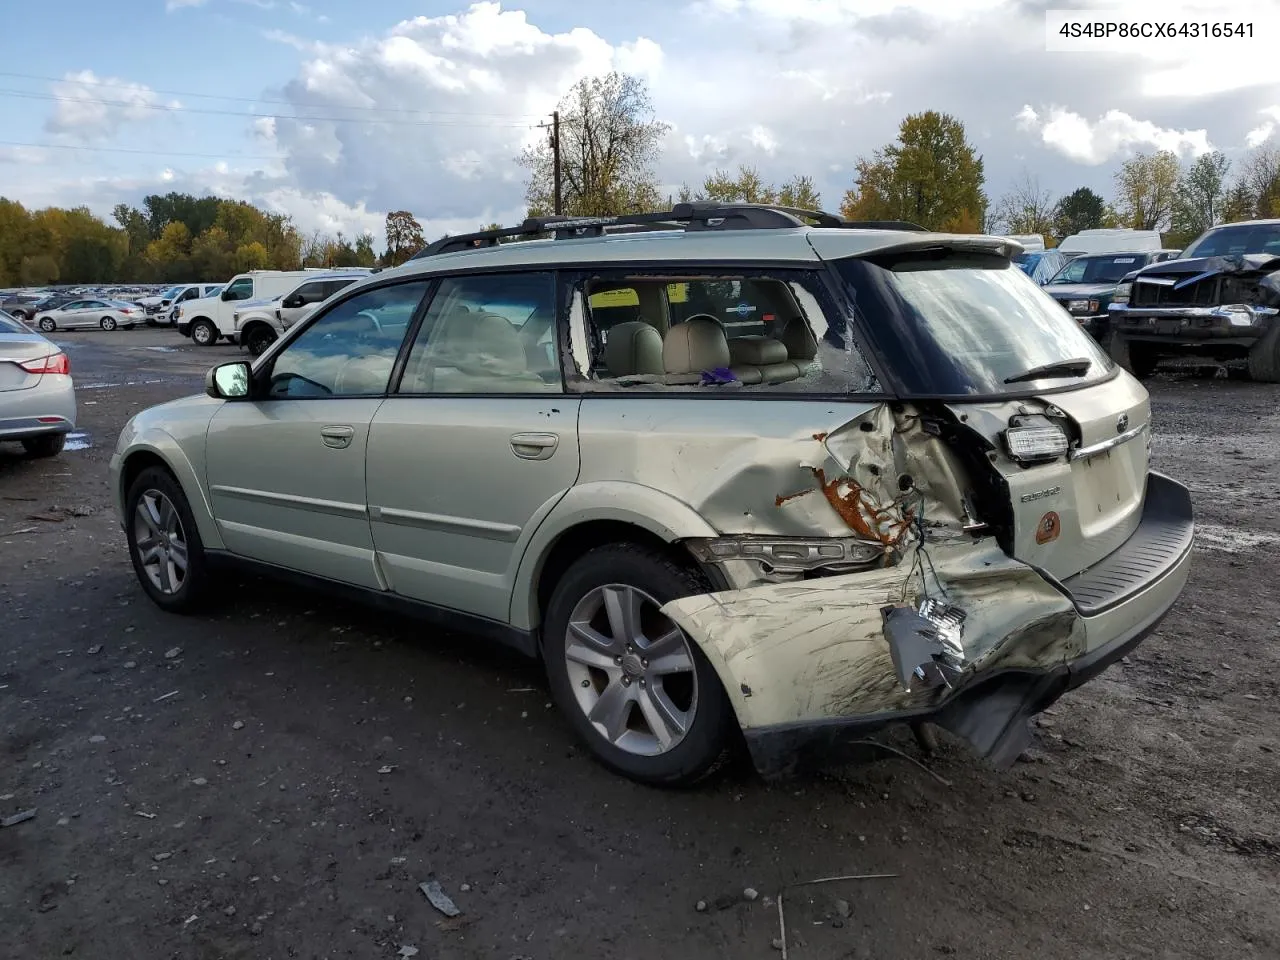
791	557
54	363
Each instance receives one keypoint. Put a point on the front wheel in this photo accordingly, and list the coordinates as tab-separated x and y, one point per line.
164	543
47	325
1263	363
259	338
635	688
107	323
204	333
20	315
1139	358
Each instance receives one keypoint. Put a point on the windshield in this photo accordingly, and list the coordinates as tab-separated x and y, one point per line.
1108	269
172	292
953	323
1235	240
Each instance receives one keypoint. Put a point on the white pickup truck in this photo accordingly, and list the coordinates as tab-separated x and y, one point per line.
257	323
159	308
210	319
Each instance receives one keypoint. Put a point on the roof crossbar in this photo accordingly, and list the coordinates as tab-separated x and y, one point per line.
698	215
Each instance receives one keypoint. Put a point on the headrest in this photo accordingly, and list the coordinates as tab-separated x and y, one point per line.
491	342
757	350
799	340
696	345
633	348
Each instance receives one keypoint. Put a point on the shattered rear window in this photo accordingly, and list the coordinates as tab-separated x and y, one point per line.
951	323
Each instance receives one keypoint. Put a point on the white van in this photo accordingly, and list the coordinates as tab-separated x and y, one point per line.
259	322
209	319
1031	242
1112	240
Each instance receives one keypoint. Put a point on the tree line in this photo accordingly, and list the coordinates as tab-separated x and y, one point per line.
609	145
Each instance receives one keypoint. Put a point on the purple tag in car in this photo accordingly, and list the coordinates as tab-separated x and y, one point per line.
718	375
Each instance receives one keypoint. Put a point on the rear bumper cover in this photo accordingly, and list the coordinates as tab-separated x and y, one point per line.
1033	640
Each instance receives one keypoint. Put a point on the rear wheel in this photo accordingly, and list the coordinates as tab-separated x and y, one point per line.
50	445
107	323
635	688
204	333
47	325
21	315
1137	357
164	543
1264	356
259	337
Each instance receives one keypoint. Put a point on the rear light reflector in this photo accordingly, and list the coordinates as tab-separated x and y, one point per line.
57	363
50	419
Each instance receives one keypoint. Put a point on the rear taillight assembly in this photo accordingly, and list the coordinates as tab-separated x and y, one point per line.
1035	439
57	363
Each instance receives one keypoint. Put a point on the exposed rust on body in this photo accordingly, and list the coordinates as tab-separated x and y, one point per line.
820	436
782	498
861	512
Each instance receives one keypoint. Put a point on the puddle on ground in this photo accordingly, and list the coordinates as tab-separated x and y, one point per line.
1210	536
163	349
77	441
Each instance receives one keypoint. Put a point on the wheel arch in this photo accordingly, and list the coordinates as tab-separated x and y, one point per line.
594	514
162	450
252	324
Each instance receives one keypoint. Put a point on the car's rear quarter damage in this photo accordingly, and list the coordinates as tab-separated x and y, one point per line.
816	660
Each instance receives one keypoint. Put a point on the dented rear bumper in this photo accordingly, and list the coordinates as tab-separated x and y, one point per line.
810	665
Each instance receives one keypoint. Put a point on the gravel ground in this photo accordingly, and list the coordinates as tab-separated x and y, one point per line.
278	779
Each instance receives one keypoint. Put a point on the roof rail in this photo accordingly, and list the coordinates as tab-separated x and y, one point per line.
698	215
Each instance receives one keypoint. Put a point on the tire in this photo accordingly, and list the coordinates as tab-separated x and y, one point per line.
1264	356
607	576
47	325
150	321
20	315
107	323
259	338
187	589
1140	359
204	333
50	445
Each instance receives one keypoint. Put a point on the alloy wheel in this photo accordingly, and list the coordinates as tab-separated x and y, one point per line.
631	670
160	541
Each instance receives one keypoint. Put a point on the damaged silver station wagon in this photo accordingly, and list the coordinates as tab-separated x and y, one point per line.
731	471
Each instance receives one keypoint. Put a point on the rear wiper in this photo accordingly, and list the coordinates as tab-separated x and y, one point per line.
1076	367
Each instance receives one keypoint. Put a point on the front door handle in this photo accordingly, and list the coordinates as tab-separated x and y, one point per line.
534	446
337	436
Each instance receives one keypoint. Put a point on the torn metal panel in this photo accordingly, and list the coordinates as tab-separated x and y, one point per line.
816	649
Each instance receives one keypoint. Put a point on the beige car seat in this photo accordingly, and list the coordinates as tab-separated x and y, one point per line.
634	348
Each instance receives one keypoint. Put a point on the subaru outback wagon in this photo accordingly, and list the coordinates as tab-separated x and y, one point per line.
733	472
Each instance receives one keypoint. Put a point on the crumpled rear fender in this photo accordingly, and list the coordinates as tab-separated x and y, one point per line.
815	650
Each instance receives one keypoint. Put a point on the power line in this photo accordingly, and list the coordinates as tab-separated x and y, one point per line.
156	152
171	108
286	103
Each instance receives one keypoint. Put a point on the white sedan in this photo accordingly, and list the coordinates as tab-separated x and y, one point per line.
100	312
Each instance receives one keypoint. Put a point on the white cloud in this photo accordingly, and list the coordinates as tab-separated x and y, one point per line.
1262	133
90	108
1114	133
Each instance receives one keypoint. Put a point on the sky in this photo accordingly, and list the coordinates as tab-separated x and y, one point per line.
336	113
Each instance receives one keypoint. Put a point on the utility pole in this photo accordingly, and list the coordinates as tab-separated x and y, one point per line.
555	161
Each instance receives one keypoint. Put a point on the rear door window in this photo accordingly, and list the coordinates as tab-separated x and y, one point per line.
949	323
713	333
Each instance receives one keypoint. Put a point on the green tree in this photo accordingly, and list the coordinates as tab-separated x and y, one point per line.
404	237
197	214
342	253
137	235
213	255
931	175
14	224
1146	186
251	256
1081	209
1260	181
364	250
38	270
747	186
799	192
170	254
609	143
1199	198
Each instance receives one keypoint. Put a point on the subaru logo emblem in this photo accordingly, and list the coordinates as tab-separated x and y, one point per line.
1122	423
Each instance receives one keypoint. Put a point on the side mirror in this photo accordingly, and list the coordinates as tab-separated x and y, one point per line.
228	381
293	300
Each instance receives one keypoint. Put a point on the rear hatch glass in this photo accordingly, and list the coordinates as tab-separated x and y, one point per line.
950	323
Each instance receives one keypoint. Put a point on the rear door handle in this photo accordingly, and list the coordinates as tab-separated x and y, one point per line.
337	436
534	446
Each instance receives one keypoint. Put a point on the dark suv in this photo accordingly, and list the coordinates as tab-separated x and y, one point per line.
1086	285
1220	300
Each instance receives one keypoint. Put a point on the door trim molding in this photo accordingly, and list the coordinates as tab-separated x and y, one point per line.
505	532
338	508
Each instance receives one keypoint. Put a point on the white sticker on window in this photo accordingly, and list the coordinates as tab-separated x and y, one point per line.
1124	259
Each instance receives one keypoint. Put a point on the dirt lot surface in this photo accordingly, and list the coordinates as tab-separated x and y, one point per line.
277	779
